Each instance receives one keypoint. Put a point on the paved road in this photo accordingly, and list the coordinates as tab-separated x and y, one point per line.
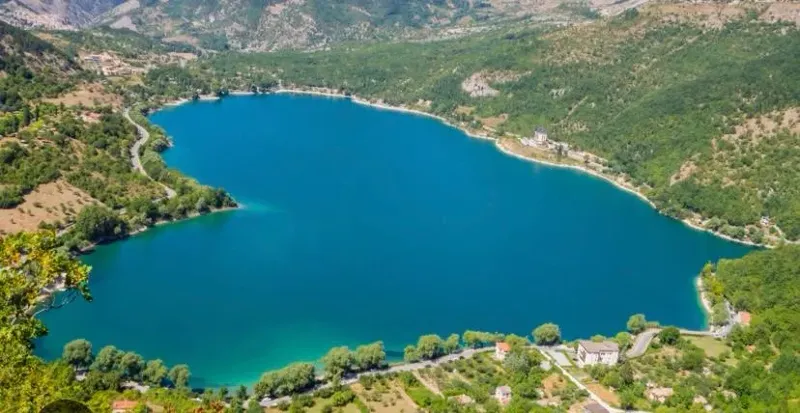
642	342
144	135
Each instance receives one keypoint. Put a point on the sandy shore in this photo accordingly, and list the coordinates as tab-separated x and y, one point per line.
703	296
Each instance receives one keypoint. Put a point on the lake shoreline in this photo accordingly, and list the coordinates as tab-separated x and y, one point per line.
498	142
91	247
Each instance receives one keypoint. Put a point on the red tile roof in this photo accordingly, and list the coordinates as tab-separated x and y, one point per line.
744	317
503	346
123	404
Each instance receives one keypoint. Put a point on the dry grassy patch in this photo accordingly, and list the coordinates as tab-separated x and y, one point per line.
392	400
604	393
54	201
89	95
492	122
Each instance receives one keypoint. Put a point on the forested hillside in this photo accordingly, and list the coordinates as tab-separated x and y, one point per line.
701	115
65	158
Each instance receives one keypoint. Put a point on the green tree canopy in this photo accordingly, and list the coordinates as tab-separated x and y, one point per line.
370	356
96	223
637	323
179	375
78	353
547	334
107	359
338	362
154	372
669	336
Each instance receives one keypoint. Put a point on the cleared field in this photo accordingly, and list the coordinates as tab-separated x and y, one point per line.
385	397
604	393
50	202
711	346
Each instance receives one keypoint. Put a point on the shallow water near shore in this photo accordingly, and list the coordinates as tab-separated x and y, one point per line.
363	224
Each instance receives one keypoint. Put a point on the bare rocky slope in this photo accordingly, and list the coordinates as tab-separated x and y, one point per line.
267	25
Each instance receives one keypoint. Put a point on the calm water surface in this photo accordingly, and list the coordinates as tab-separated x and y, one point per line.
364	225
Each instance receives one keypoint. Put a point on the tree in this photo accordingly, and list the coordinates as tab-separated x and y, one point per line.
338	361
514	341
370	356
179	375
97	380
637	323
547	334
78	353
518	361
222	393
623	339
692	359
410	354
476	339
451	344
719	314
130	365
107	359
254	407
669	336
627	399
96	223
241	393
154	372
288	380
430	346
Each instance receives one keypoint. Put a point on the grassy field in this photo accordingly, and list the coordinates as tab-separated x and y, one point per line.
711	346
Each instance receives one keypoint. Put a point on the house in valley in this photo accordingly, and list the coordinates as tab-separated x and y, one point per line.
501	349
591	353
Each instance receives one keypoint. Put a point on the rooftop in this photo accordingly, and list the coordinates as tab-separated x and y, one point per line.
124	404
503	346
594	347
744	317
595	407
503	389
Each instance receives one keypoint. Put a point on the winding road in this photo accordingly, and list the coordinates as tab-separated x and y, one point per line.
144	135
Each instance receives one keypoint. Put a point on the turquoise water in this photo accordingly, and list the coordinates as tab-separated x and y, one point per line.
362	224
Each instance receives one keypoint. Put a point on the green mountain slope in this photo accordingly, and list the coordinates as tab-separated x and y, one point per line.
662	101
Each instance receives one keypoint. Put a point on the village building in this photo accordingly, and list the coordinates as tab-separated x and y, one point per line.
659	394
501	349
503	394
123	406
743	318
591	353
594	407
540	135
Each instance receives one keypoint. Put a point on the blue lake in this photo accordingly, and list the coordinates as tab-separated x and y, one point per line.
361	225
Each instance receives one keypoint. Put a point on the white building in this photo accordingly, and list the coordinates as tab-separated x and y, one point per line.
540	135
501	349
503	394
591	353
